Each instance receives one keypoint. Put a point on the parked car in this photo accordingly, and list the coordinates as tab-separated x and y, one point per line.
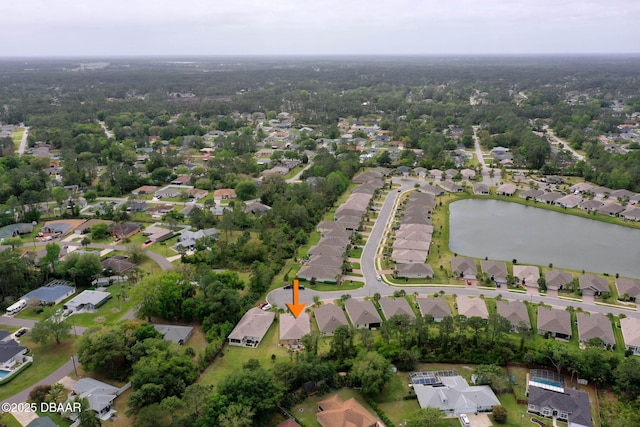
21	332
287	286
263	304
469	282
301	287
266	307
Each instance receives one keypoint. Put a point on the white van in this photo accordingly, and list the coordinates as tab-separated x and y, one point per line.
464	420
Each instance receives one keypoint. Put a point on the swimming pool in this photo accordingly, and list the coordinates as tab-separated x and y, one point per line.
4	373
548	382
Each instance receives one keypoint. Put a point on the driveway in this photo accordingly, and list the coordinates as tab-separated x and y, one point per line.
479	420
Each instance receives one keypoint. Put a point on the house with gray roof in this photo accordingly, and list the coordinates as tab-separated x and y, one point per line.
630	327
595	325
610	209
590	205
549	198
464	267
87	300
531	194
414	271
472	307
569	201
556	323
568	405
431	190
495	270
329	317
42	422
590	284
556	280
362	314
175	333
53	292
11	353
292	329
436	307
395	307
628	287
409	256
621	195
99	394
319	273
451	393
451	186
251	328
515	312
632	213
118	264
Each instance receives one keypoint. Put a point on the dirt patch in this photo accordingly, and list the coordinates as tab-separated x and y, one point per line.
99	319
115	310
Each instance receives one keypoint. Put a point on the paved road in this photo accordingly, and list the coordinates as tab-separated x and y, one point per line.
296	177
107	132
280	297
485	171
23	141
553	138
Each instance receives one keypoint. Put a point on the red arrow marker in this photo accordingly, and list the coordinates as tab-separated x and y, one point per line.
296	308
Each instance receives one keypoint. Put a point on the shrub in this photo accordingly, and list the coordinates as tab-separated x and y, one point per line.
499	414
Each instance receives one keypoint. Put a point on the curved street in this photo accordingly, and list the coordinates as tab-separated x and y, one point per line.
279	297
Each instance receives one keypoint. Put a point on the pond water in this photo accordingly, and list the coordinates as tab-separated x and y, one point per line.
506	231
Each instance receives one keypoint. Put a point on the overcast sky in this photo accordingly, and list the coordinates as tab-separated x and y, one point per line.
268	27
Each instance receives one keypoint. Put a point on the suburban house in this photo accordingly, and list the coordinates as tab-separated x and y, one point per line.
472	307
100	396
631	214
556	280
556	323
11	353
549	198
396	307
590	205
174	333
320	273
527	275
157	234
610	209
188	238
581	187
590	284
224	194
569	201
42	422
480	188
292	329
124	230
435	174
145	189
85	227
568	405
53	292
495	270
515	312
621	195
595	325
336	412
329	317
628	287
464	267
169	191
506	190
630	327
118	264
449	392
362	314
87	300
405	256
414	271
436	307
251	328
451	186
531	194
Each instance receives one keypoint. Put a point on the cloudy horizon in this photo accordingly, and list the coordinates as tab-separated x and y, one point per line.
322	27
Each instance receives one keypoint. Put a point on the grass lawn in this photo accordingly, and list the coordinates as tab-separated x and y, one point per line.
47	358
391	402
8	420
233	357
109	312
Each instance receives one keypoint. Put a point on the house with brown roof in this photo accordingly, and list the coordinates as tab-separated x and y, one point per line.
414	271
611	209
329	317
336	412
590	284
556	280
409	256
289	423
630	327
506	190
480	188
396	307
292	329
495	270
527	275
595	325
436	307
124	230
451	186
628	287
224	194
632	213
530	194
197	194
320	273
145	189
464	267
472	307
621	195
556	323
118	264
515	312
362	314
251	328
569	201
